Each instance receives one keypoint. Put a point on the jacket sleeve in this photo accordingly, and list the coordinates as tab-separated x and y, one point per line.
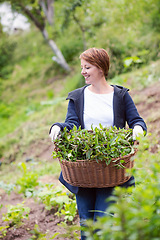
71	118
132	116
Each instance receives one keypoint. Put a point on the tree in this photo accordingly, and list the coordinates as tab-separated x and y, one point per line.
1	30
83	13
41	13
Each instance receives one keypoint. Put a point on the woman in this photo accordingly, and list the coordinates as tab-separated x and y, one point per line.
97	102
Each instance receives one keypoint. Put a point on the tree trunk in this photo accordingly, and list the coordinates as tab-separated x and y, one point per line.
59	56
48	10
41	26
83	32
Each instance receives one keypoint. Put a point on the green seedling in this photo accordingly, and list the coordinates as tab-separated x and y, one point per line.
53	198
71	232
37	234
28	181
3	231
8	188
69	210
15	214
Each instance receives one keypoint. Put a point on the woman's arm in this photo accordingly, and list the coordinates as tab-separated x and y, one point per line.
132	116
71	118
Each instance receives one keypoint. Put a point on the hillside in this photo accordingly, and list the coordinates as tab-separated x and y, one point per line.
33	91
147	102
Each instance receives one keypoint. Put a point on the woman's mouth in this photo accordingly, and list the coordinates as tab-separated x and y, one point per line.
86	77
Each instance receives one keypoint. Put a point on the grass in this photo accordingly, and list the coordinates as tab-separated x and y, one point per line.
32	97
42	167
139	78
38	121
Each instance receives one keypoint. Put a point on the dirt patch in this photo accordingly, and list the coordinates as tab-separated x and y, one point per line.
41	149
46	220
148	106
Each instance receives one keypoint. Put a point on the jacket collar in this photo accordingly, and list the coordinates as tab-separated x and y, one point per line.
77	93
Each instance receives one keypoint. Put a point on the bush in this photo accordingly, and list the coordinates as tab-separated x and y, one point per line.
137	211
6	53
71	49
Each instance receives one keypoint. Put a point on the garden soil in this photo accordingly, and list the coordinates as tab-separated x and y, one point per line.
148	107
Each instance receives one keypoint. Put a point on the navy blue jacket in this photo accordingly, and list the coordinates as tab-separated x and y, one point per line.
124	111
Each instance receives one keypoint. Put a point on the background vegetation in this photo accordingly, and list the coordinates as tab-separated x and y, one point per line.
33	88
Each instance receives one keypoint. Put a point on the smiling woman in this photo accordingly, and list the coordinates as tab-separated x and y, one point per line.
98	58
94	104
95	67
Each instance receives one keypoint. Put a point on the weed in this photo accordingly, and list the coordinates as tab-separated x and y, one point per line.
53	197
15	214
72	232
28	181
8	188
3	231
37	235
69	211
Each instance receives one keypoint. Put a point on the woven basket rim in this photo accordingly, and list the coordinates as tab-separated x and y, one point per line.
128	156
93	174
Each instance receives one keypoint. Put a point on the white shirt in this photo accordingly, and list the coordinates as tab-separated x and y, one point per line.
98	108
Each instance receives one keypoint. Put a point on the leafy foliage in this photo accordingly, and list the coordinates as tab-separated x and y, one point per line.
15	214
8	188
28	181
64	203
129	29
100	144
7	48
69	210
3	231
137	210
37	234
71	232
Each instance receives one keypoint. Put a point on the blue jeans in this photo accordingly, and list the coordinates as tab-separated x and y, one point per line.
91	199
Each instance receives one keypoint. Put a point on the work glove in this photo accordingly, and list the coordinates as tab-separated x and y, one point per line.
54	132
137	131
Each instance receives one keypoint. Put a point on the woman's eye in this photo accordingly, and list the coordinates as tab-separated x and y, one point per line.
85	68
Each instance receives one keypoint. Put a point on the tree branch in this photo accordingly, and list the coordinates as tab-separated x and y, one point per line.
50	14
83	31
48	10
32	17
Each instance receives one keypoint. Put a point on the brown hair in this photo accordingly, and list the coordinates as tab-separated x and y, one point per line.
97	57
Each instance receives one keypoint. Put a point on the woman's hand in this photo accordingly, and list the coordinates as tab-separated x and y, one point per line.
54	132
137	131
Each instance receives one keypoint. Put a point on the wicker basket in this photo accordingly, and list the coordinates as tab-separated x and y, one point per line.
90	174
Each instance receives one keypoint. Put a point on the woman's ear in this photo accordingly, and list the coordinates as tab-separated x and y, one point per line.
101	71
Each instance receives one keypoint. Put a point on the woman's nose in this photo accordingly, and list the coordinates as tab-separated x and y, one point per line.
83	71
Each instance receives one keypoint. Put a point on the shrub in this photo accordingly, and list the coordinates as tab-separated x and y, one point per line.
71	49
137	210
6	52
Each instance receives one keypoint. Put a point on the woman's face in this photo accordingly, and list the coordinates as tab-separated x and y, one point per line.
91	73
